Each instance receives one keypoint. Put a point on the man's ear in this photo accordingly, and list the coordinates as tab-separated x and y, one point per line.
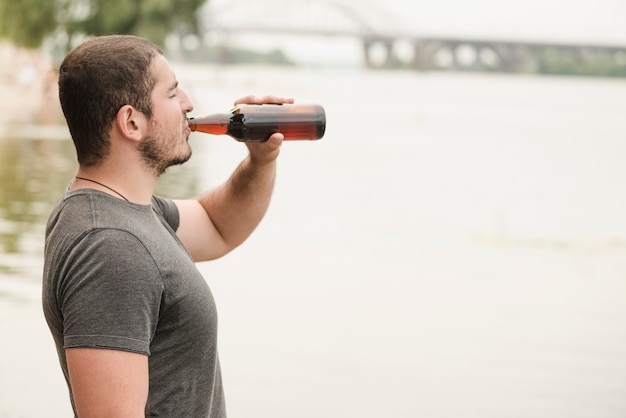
131	123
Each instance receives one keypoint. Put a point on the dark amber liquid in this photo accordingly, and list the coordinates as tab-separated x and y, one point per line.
213	124
259	122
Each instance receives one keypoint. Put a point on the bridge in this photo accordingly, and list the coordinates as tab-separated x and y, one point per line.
390	42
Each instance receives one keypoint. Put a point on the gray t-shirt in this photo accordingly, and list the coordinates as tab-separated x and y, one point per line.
117	277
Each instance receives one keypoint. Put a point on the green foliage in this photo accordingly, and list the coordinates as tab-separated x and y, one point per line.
29	22
26	22
555	62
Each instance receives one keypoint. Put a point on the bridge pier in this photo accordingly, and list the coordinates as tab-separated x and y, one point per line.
514	58
370	45
468	55
456	55
424	54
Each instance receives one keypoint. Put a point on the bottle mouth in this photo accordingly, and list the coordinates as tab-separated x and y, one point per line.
191	124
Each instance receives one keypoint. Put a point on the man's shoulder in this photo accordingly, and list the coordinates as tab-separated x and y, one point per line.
83	212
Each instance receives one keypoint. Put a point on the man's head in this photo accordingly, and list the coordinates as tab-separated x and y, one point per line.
96	79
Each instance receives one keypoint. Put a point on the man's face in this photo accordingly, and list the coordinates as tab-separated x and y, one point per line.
165	143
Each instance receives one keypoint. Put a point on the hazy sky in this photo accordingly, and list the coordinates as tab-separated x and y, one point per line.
575	20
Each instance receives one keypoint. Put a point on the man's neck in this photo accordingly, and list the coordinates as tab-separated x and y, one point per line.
134	185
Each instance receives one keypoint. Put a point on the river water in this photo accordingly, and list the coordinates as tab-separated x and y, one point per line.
455	246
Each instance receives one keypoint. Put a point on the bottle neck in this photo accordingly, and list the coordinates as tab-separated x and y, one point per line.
212	124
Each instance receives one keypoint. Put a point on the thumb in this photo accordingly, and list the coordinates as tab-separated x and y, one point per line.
276	139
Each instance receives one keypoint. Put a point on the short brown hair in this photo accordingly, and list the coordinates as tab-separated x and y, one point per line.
96	79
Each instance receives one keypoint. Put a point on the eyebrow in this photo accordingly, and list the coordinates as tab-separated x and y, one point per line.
173	86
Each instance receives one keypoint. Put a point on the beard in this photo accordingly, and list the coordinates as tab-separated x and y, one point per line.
159	151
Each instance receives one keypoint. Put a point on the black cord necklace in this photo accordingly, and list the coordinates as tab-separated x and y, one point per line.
103	185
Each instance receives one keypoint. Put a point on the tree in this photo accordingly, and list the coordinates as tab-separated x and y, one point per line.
29	22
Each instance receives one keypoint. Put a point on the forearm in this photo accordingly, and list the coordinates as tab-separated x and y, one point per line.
237	207
220	220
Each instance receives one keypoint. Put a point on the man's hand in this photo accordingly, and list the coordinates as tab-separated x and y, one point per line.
269	99
264	152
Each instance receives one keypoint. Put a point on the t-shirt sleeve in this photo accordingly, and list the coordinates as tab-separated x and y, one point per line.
111	295
167	209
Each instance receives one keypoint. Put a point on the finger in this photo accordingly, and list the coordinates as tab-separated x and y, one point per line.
264	152
268	99
276	139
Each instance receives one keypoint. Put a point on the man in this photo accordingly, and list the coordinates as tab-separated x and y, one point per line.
133	320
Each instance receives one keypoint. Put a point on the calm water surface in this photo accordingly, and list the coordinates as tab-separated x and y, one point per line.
454	247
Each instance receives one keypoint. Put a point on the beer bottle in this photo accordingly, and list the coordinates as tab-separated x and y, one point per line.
258	122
